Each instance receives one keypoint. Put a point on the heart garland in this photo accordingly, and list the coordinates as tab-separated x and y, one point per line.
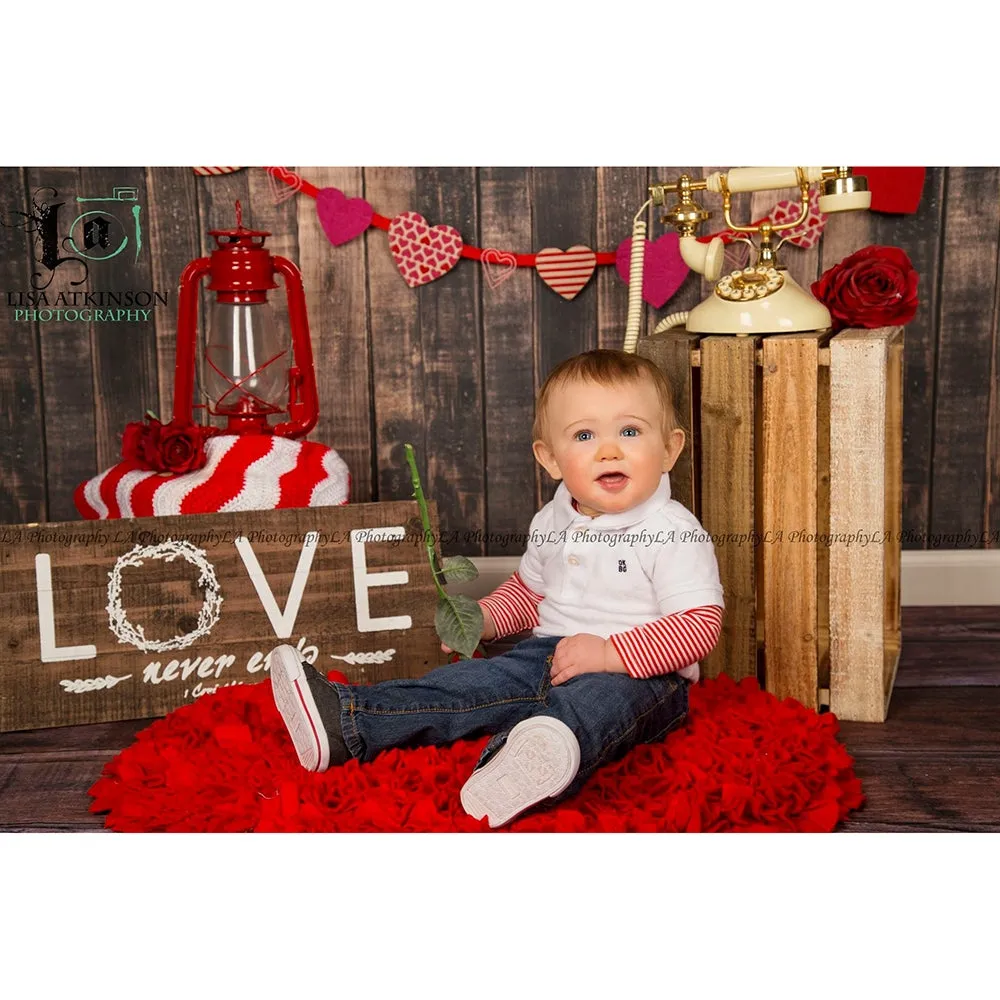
566	271
423	252
283	184
498	265
214	171
663	268
894	189
342	218
808	233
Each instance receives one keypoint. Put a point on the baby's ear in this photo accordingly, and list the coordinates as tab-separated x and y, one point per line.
546	459
673	449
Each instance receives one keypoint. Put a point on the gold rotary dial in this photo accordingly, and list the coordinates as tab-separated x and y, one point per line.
749	284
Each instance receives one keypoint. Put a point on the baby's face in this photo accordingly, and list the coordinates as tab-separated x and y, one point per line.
607	444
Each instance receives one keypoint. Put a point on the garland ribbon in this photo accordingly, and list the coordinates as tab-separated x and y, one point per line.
381	222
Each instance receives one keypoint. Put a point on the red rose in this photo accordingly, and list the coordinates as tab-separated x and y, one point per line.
172	447
132	439
180	447
876	286
149	447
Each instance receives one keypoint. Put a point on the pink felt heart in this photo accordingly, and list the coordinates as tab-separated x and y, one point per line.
342	218
663	268
499	265
423	252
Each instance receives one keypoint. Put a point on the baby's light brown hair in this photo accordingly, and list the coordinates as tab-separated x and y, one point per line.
609	368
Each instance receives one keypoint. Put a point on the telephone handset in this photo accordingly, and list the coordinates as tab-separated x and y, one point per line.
763	297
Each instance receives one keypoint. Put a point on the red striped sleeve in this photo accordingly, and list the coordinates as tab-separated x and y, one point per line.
513	606
670	643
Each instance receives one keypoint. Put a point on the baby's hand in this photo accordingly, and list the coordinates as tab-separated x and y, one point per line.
489	631
584	654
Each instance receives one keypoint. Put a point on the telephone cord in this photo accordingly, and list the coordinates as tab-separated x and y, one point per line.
674	319
635	275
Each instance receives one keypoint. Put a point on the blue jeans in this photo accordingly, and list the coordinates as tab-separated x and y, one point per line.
608	713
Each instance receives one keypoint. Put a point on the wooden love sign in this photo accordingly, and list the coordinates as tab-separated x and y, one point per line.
128	619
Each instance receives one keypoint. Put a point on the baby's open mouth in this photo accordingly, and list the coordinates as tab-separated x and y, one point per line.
612	478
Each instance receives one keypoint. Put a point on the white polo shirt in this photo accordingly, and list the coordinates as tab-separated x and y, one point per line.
610	573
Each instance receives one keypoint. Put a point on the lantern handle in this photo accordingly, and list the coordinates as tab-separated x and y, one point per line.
303	404
187	337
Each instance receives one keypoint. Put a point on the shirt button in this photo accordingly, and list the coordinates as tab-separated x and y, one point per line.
573	561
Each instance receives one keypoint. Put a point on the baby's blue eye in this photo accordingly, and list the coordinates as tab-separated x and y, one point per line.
578	436
630	431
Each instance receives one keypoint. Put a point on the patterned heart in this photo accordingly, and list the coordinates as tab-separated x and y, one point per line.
342	218
807	235
422	252
499	265
281	190
566	271
663	268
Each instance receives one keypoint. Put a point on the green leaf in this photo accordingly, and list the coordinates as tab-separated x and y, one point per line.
459	624
458	569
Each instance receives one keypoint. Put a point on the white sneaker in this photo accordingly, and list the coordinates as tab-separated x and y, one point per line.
539	760
294	699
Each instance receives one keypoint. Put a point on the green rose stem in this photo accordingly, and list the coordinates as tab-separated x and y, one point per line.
458	618
425	520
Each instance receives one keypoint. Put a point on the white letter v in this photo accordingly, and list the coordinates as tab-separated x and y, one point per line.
282	622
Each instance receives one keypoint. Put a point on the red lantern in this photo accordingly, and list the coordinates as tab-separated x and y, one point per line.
251	369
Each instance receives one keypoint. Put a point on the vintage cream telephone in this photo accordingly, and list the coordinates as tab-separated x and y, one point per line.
761	298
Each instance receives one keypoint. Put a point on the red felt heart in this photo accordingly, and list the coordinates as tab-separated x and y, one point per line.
663	268
894	189
342	218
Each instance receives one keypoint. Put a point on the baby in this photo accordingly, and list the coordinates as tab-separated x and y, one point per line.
619	584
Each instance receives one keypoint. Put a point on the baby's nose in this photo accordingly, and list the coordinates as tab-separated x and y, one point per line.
608	449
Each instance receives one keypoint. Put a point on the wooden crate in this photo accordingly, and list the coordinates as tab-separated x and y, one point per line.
794	465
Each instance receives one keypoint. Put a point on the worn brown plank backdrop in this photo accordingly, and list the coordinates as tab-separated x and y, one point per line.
453	366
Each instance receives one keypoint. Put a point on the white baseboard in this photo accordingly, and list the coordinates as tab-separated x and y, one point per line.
963	576
960	576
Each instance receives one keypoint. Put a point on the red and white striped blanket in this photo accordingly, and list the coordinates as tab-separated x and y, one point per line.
243	472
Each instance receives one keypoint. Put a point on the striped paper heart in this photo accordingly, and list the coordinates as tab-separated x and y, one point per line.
566	271
214	171
422	252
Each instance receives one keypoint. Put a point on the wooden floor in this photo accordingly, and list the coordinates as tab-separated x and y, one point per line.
933	765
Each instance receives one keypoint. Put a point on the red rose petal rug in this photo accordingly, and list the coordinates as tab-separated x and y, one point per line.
743	760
